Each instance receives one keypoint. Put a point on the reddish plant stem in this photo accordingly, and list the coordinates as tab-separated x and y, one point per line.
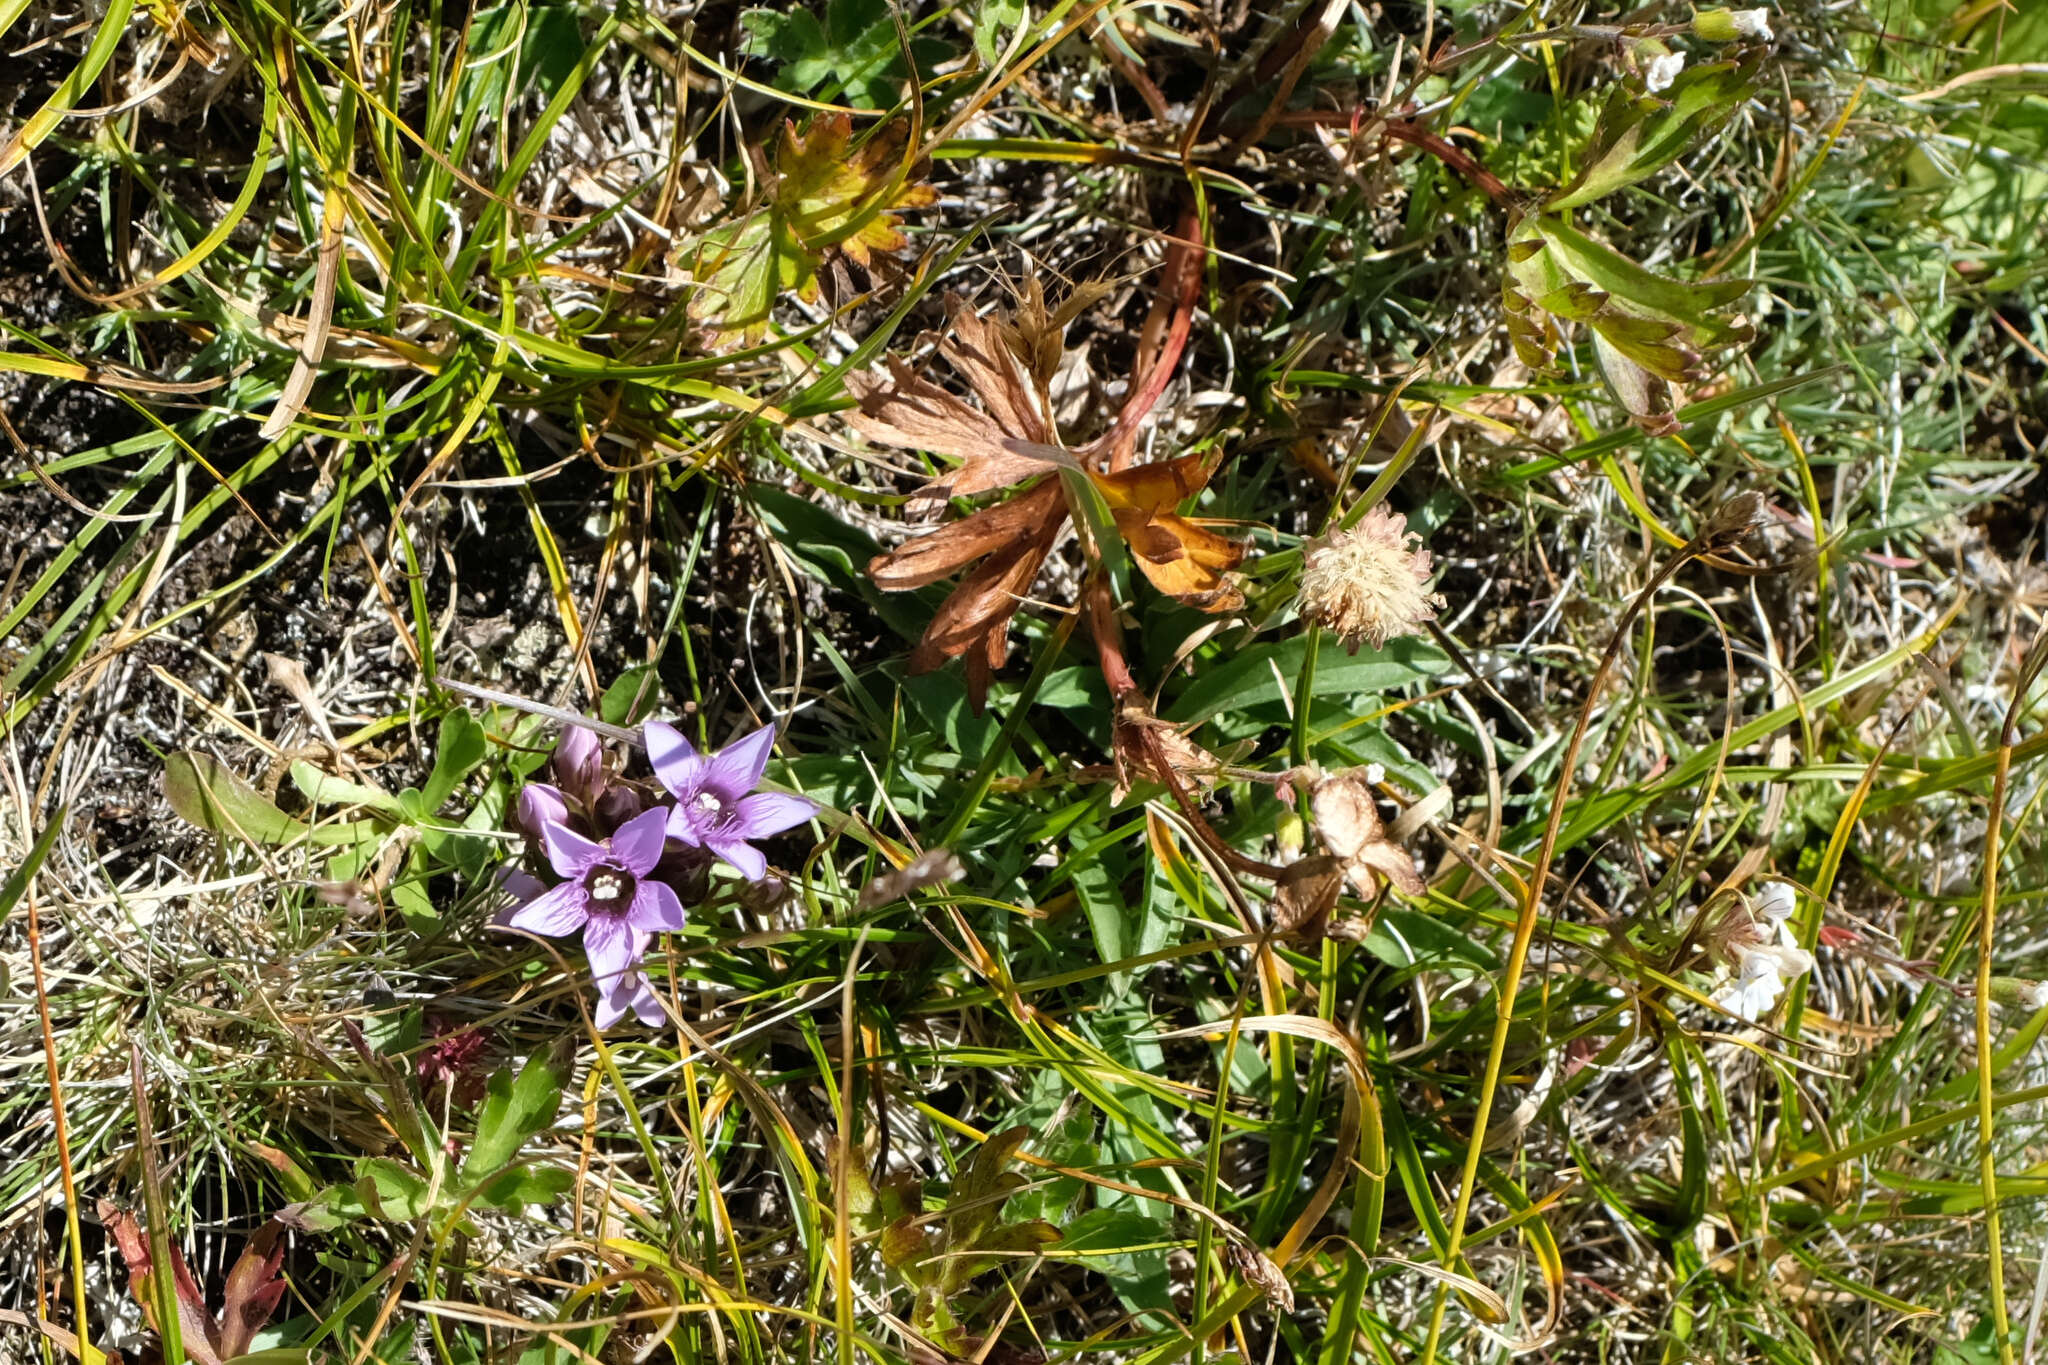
1179	289
1415	135
1109	638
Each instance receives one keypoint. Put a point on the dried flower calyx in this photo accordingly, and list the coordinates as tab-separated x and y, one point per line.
1348	818
1369	582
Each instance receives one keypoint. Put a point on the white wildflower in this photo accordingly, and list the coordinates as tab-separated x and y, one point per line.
1730	25
1660	72
1766	970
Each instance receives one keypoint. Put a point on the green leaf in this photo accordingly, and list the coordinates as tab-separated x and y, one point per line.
993	24
1405	938
1125	1247
513	1190
460	748
796	40
514	1109
1649	332
1247	677
389	1191
409	893
17	882
827	194
214	797
904	1243
325	789
977	1198
1640	134
632	695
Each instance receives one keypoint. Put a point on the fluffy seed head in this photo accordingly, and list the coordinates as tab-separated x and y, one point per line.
1369	583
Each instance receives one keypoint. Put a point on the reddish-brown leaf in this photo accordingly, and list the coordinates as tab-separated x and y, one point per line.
1007	439
254	1289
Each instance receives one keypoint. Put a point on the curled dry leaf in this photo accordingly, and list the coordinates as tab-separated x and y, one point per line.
1305	893
1258	1270
1009	363
1183	558
1349	821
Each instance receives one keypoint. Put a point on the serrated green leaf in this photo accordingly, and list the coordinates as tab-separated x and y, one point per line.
513	1190
826	194
977	1198
384	1189
904	1243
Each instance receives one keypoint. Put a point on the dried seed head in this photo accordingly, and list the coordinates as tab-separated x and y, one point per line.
1369	583
1734	520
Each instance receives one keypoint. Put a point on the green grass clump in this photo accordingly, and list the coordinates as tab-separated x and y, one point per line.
1194	957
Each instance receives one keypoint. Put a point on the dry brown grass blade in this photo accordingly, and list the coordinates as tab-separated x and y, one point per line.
298	386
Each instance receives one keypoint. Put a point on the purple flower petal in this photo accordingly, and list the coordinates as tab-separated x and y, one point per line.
736	769
766	813
555	912
687	825
612	945
744	857
676	764
569	853
579	761
629	991
540	806
637	845
656	908
519	884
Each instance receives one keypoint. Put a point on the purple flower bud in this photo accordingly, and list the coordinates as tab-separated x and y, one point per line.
540	806
617	804
579	764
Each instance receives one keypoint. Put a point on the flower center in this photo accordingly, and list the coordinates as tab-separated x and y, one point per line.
708	807
610	888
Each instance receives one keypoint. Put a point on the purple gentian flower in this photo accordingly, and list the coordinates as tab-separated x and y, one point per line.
629	991
606	893
717	807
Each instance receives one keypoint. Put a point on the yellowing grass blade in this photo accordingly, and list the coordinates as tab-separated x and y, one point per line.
44	121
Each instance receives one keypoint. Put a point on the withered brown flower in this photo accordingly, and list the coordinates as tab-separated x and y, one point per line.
1348	818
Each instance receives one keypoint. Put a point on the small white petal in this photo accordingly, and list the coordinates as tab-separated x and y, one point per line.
1776	901
1662	71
